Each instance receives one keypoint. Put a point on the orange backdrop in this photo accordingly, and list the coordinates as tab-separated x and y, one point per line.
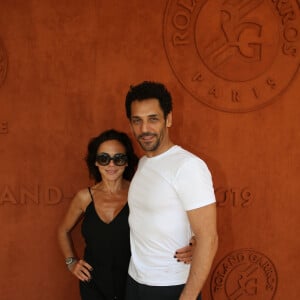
232	68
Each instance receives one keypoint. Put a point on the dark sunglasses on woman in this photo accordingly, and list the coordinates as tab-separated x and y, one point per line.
119	159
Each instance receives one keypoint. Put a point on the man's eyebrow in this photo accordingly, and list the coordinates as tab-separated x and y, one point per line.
148	116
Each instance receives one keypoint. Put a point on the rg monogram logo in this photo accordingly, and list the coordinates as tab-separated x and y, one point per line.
244	274
233	55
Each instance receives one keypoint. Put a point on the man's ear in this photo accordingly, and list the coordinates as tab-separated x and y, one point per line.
169	119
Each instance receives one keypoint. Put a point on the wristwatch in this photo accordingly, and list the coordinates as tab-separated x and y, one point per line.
70	260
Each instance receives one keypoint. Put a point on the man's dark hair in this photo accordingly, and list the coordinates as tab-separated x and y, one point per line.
109	135
147	90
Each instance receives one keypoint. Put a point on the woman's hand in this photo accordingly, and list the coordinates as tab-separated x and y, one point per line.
81	269
185	254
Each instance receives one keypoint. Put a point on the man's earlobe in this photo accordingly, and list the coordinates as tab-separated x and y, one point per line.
169	120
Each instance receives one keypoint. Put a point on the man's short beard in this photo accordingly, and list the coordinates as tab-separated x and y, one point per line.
144	145
153	147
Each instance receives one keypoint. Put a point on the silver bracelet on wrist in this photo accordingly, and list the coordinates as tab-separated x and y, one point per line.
69	261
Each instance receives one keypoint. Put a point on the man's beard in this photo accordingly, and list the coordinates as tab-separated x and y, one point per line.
149	146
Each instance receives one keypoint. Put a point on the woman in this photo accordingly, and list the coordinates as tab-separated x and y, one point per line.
103	270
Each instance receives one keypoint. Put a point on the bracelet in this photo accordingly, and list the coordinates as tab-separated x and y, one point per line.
70	261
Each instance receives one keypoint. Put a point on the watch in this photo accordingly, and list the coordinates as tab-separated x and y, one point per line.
70	260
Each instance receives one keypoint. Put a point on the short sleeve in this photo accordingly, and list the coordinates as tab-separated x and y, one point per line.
193	184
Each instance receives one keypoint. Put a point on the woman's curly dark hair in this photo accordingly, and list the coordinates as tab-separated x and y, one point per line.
108	135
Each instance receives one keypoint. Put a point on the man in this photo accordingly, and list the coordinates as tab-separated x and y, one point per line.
171	198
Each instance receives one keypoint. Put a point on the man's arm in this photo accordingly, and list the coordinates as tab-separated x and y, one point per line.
204	226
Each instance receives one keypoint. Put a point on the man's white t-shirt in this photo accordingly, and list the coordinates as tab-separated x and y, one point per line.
163	188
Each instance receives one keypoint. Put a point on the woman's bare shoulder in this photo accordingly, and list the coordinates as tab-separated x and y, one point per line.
83	198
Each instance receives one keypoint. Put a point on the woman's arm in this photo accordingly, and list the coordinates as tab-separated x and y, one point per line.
80	269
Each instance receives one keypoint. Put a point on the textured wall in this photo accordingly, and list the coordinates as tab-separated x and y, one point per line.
232	67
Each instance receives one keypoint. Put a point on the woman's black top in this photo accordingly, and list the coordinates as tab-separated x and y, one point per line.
108	252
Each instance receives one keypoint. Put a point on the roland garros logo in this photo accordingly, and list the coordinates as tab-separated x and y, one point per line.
233	55
3	63
244	274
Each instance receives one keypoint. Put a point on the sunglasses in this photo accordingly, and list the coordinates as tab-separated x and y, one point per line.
119	159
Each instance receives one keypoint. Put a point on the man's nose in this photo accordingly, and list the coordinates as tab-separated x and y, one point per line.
144	127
